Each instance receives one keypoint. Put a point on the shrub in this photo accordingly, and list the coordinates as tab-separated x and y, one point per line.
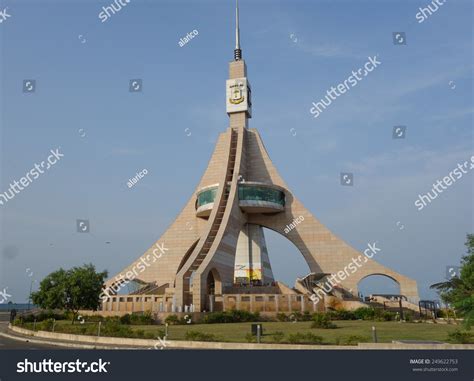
152	335
95	318
115	329
294	317
44	315
461	337
199	336
278	336
382	315
137	319
305	338
29	318
307	316
233	316
321	320
364	313
342	315
46	325
297	316
109	319
142	319
355	339
250	338
281	316
126	319
82	329
172	319
18	322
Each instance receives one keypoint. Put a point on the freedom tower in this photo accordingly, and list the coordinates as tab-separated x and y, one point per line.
216	246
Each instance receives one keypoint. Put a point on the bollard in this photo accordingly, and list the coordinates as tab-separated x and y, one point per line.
258	333
374	334
98	329
54	324
34	325
166	331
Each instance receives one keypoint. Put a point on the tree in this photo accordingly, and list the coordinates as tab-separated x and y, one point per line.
459	290
71	290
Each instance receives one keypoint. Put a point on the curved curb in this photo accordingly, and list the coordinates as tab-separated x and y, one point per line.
59	344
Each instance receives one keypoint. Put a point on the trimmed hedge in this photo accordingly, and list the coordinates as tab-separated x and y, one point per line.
233	316
305	338
199	336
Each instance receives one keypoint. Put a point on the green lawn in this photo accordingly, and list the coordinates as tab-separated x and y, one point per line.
386	331
237	332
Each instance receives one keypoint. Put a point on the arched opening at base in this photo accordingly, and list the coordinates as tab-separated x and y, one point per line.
378	284
210	284
213	288
286	260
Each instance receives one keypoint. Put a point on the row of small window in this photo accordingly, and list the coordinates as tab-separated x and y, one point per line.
271	298
258	193
137	299
246	193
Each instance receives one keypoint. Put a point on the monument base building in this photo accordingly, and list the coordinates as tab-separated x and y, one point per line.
214	255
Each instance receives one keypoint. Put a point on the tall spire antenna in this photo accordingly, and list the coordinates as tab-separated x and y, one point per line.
237	51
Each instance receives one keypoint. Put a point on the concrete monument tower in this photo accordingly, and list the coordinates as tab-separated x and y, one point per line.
217	239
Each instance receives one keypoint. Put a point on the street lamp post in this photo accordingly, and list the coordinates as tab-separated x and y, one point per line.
29	296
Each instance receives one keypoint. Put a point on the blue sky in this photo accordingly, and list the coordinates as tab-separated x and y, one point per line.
295	51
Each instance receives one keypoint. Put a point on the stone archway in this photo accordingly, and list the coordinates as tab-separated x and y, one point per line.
324	252
213	288
388	280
